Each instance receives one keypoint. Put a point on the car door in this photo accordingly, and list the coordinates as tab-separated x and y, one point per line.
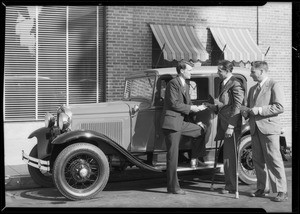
143	126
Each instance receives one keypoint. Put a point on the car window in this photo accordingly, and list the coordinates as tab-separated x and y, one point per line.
199	88
139	88
160	91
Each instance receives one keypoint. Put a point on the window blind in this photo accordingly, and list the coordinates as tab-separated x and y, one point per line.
53	55
82	54
51	59
19	65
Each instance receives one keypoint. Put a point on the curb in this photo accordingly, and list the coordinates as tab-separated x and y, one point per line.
18	182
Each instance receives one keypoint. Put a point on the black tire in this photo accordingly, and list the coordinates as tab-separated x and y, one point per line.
246	169
40	178
81	171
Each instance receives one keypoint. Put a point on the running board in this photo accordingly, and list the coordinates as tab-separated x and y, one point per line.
186	167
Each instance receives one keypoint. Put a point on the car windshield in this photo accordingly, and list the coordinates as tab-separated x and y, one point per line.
139	88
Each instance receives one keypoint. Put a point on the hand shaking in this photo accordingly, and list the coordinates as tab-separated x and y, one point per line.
202	107
195	108
210	106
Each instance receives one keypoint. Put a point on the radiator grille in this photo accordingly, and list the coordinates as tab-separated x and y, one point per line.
113	130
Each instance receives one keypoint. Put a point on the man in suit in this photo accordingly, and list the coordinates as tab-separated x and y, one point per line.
265	103
177	107
227	107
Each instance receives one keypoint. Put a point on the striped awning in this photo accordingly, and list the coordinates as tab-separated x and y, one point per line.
238	43
179	42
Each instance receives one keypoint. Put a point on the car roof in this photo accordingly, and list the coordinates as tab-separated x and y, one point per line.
201	70
196	70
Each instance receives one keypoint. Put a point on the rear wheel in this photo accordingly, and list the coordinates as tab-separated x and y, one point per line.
245	163
43	179
81	171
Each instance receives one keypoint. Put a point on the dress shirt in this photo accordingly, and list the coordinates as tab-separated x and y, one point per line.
182	81
261	84
226	79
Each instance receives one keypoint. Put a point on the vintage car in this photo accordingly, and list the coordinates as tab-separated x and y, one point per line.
78	148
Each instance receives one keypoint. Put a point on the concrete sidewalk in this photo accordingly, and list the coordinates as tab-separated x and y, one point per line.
17	177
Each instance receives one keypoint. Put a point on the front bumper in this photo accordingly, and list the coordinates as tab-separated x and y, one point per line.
36	163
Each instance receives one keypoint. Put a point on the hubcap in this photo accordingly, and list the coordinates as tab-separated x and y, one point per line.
81	171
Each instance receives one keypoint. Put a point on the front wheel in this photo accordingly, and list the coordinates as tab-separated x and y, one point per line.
245	163
81	171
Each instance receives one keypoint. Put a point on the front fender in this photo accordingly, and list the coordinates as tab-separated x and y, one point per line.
43	136
103	142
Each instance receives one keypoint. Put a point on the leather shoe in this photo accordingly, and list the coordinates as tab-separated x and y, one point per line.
179	192
225	191
193	162
197	163
259	193
281	197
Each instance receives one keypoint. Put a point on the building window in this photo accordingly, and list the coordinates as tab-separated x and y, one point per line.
53	56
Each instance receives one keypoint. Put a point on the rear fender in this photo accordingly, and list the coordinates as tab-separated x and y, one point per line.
245	130
107	145
43	136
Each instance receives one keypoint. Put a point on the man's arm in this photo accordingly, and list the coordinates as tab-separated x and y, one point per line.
175	104
172	99
275	106
237	92
277	100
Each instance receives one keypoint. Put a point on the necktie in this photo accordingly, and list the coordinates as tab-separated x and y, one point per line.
221	86
257	90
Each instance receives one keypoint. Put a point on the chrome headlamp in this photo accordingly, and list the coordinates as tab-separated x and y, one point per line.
64	121
64	118
49	120
135	109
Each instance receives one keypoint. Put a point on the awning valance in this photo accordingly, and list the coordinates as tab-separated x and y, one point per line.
240	46
179	42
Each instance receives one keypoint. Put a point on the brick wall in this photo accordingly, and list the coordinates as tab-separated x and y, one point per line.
275	21
129	38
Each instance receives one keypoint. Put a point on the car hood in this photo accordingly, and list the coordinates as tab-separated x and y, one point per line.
102	108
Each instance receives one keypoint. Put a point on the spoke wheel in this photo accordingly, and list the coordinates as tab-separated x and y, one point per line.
81	171
246	169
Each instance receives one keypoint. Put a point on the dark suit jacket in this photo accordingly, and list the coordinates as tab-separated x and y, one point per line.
176	106
228	103
270	99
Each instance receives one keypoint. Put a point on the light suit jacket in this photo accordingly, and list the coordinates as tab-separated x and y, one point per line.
270	99
228	103
176	105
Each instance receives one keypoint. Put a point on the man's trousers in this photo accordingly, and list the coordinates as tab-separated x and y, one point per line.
172	139
268	162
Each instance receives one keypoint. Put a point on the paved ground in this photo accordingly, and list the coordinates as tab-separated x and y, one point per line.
150	192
